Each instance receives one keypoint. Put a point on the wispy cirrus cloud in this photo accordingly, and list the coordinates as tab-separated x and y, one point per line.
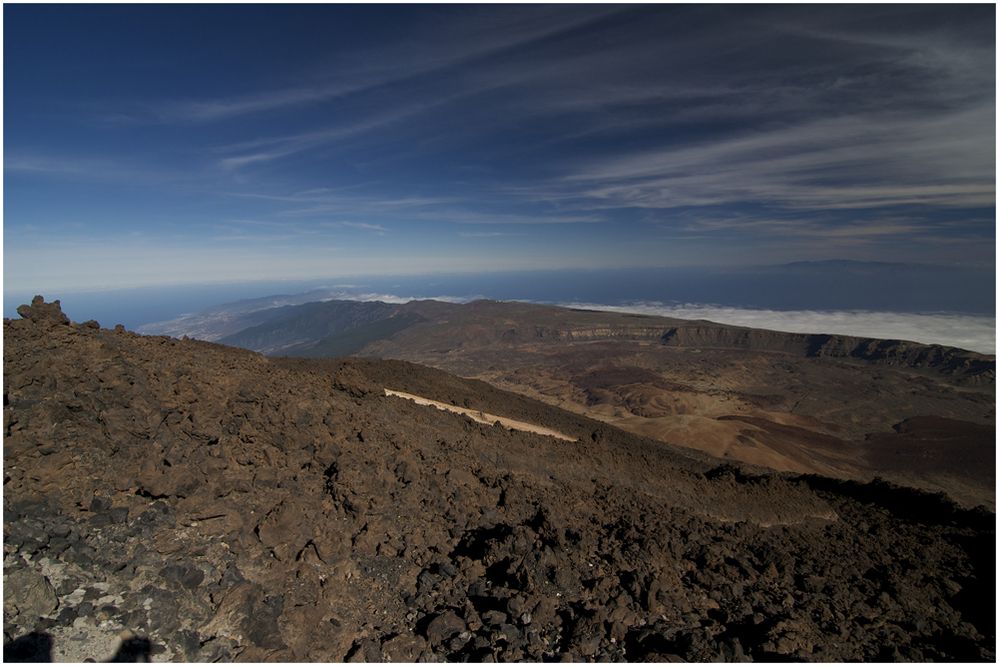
479	217
414	209
209	110
487	234
435	46
364	226
284	229
87	168
648	135
316	206
870	115
268	149
850	162
361	205
802	227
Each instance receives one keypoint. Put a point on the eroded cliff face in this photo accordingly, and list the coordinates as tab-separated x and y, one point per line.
972	367
189	501
582	333
488	324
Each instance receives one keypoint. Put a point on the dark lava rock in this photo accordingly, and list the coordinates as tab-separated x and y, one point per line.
494	617
444	626
41	312
187	575
227	506
261	624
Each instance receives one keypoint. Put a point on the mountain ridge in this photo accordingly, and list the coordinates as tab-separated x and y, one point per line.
681	332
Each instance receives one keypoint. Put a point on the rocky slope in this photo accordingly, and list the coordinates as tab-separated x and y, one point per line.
301	325
188	501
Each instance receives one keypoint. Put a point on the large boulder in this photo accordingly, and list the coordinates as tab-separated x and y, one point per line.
43	313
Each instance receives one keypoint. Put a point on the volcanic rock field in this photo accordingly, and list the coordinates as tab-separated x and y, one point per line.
183	500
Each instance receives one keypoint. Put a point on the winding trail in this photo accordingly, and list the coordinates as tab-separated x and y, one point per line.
482	417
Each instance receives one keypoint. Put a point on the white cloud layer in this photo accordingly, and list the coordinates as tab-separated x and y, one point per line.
973	332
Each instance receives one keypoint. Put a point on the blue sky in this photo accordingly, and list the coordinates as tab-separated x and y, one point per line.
154	145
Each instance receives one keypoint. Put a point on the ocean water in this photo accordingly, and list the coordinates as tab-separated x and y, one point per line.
923	303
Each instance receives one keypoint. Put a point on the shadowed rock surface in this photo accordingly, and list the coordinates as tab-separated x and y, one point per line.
227	506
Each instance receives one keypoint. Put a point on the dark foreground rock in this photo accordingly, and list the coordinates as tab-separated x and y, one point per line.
177	500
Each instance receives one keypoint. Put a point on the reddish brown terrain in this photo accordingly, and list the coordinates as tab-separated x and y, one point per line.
823	404
804	403
182	500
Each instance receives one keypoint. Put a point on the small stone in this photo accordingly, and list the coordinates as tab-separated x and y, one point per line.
403	648
30	592
589	646
67	616
494	618
184	575
189	642
509	633
458	642
100	520
444	626
57	546
75	597
785	645
119	515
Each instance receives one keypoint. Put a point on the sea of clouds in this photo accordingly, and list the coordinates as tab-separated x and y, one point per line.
973	332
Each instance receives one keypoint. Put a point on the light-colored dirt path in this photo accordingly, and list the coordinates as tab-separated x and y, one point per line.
482	417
